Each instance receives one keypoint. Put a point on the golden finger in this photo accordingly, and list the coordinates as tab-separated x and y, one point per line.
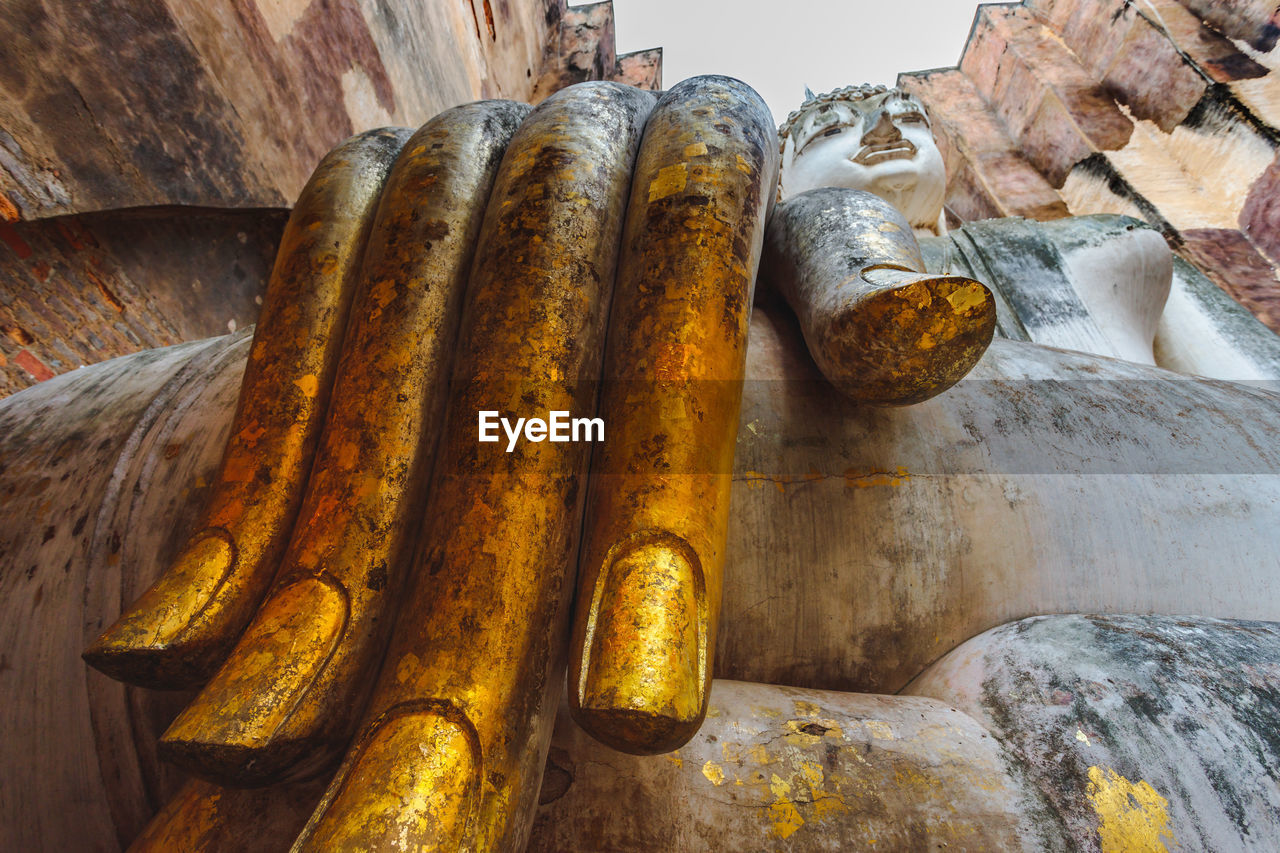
456	735
204	818
650	576
179	631
286	699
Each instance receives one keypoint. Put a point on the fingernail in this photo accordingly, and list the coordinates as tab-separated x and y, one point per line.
232	731
642	681
413	787
158	619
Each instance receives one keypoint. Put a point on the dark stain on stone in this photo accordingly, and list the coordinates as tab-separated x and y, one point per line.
378	577
1218	108
1097	165
435	230
558	776
1237	66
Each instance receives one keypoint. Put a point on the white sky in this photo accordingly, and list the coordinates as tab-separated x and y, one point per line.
781	46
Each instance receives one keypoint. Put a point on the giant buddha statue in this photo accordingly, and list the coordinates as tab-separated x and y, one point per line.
865	509
1103	284
869	138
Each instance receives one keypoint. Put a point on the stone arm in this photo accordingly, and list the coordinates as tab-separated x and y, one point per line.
879	327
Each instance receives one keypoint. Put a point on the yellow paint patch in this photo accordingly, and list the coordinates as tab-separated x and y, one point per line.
917	296
806	709
309	384
783	814
813	774
670	180
1132	817
829	804
825	802
879	728
966	298
1082	737
713	772
817	729
697	149
743	166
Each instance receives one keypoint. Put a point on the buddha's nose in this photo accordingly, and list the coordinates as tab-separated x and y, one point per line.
881	130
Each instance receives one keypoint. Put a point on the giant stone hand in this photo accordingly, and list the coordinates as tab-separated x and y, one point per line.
450	748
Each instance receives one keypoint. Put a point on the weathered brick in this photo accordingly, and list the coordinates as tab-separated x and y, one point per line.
78	290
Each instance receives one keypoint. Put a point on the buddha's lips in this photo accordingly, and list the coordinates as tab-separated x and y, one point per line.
900	149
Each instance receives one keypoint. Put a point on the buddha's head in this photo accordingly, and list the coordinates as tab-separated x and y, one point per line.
866	138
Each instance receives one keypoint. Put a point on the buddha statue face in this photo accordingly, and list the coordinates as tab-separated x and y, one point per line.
867	138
